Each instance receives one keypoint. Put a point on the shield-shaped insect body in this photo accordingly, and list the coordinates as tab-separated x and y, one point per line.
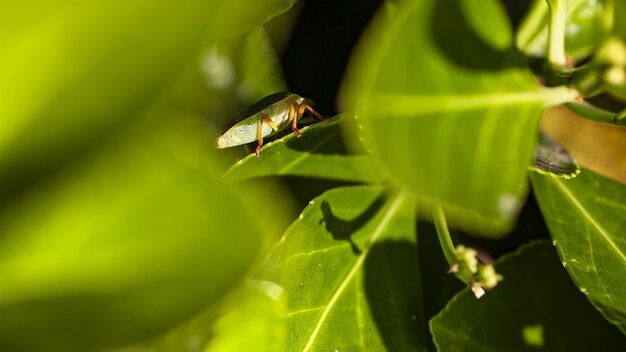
270	115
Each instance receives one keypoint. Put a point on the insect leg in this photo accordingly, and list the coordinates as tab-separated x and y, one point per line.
310	108
259	132
294	116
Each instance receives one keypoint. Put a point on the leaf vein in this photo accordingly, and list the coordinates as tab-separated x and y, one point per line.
399	199
590	219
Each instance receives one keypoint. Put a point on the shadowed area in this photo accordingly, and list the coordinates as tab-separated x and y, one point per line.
341	229
326	139
449	24
393	291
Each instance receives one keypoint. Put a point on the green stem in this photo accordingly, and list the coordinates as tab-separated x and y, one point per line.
597	114
556	33
444	235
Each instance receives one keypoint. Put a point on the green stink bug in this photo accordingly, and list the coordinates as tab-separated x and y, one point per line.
270	115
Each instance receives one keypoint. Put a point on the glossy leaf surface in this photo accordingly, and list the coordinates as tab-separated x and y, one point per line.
449	115
535	307
587	217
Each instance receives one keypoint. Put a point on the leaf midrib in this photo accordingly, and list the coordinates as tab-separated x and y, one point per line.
568	195
397	201
409	105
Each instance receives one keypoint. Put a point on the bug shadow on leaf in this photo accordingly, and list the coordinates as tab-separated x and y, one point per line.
342	230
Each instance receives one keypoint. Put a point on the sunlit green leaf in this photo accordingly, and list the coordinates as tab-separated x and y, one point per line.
128	243
319	153
252	315
448	114
535	307
583	29
586	218
346	276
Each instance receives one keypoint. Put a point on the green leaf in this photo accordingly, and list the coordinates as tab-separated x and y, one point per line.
239	16
583	30
251	314
476	11
122	246
620	25
346	276
449	115
78	71
243	68
260	69
553	159
535	307
320	153
586	219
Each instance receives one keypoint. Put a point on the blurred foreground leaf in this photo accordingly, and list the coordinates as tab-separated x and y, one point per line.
535	307
587	219
448	114
260	69
252	315
345	276
74	73
319	153
132	241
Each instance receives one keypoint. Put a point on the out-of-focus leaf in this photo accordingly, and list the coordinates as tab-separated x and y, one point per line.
245	67
239	16
260	69
476	11
618	22
583	29
553	159
132	241
252	315
74	72
587	217
346	276
535	307
448	114
320	153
